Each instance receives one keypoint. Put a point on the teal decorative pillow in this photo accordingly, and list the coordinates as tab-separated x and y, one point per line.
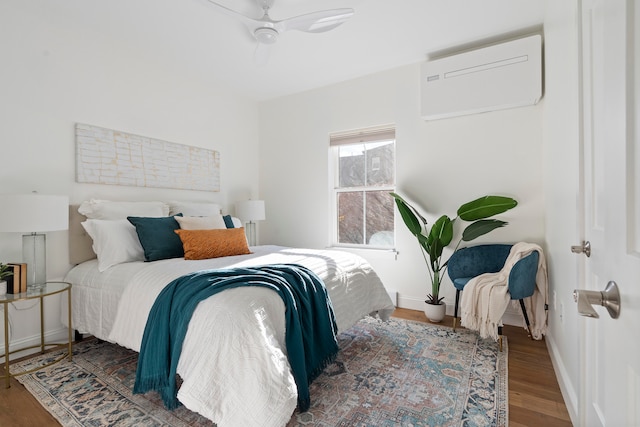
157	237
228	221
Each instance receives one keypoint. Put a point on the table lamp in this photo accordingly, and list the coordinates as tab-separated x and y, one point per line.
249	211
34	214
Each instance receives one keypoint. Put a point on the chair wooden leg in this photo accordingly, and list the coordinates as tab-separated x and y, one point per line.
500	337
455	309
526	318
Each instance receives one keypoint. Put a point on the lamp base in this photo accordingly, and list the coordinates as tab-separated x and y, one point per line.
251	233
36	288
34	255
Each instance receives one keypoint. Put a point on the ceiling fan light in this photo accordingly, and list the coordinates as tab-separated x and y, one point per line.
266	35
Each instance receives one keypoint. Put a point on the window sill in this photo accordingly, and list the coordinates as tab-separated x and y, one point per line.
368	251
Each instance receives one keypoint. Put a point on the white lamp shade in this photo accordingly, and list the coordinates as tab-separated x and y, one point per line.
250	210
32	213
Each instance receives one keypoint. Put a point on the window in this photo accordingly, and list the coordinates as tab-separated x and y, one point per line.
364	174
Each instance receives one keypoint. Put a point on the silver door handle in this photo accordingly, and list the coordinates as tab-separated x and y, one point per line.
585	248
609	298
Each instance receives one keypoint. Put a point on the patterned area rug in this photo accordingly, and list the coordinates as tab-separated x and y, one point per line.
398	373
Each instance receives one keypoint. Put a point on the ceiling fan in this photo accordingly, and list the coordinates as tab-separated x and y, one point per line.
266	31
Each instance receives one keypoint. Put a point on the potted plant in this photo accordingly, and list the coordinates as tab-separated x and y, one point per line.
5	271
433	241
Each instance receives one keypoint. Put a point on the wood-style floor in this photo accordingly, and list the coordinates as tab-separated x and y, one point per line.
534	394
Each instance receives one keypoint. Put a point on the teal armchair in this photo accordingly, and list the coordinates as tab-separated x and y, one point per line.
466	263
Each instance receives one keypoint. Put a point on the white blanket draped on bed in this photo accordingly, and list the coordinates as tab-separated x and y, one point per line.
486	297
233	363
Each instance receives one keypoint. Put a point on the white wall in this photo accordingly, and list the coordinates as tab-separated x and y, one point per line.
562	173
440	165
56	72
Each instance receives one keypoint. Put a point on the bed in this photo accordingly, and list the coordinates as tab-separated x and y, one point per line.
233	365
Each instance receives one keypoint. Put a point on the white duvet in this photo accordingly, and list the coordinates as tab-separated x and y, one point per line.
233	362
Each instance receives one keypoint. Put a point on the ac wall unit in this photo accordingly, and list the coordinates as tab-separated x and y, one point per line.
496	77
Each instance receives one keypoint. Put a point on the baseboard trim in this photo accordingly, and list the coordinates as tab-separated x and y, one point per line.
413	303
394	297
566	387
59	335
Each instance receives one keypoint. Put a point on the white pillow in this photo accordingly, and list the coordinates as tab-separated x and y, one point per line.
201	222
106	209
194	208
114	241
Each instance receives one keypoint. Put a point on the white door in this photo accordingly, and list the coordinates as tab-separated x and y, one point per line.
610	348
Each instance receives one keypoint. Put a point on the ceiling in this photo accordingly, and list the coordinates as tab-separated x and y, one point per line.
194	39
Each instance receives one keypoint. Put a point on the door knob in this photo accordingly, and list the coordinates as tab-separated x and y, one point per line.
585	248
609	298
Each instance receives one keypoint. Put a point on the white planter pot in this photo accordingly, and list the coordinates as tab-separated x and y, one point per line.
435	313
3	287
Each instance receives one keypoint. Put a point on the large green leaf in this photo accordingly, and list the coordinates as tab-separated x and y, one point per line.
485	207
424	242
442	230
409	218
480	228
415	211
440	236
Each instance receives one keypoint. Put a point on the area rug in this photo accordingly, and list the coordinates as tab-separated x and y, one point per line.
395	373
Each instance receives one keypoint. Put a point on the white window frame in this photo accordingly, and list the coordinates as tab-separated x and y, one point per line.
381	133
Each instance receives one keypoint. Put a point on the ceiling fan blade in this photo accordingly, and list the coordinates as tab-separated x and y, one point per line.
250	23
316	22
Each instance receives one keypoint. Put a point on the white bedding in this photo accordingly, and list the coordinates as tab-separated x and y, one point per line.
233	363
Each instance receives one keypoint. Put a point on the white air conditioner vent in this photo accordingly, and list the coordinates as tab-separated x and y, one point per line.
504	75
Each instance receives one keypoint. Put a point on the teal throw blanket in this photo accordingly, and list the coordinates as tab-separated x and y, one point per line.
310	324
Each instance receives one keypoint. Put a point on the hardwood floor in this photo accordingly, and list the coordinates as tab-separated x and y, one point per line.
534	394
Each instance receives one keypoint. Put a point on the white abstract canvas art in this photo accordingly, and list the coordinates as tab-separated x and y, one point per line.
106	156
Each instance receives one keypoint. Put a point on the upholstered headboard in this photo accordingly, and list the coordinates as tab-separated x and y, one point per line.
80	242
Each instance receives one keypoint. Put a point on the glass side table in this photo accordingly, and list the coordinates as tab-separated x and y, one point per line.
50	288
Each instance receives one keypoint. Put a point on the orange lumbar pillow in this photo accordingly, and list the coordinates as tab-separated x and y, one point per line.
215	243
